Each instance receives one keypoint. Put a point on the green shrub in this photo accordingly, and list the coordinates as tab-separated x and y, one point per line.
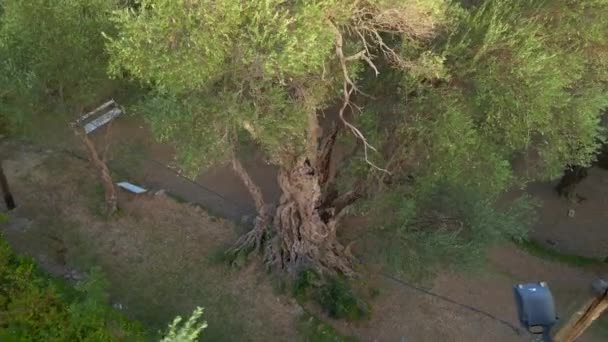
445	226
188	331
34	307
530	78
52	63
339	301
305	282
332	293
506	83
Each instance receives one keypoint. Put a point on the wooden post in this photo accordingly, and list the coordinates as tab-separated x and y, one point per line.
584	317
110	110
6	192
104	173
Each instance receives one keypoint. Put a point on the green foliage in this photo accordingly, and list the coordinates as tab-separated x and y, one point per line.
508	83
203	140
447	227
36	308
525	86
452	149
306	280
338	299
332	293
313	329
220	70
503	82
183	45
188	331
52	59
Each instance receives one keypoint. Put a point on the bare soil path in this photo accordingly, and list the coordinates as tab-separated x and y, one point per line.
577	228
158	255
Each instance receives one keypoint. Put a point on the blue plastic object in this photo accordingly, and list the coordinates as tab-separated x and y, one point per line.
535	307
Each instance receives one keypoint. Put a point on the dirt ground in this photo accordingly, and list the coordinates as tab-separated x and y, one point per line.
402	311
159	257
134	151
586	232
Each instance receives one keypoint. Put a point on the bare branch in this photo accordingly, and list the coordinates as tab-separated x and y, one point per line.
364	55
342	58
356	132
347	199
356	56
349	88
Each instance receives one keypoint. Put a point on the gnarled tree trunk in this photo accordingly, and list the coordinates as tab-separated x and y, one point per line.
305	225
300	232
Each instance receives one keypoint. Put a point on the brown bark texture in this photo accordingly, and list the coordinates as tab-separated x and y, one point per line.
300	232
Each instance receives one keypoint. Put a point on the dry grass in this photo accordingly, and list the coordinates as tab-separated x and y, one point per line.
157	254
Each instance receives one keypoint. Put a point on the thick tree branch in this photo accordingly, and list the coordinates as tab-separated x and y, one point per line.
347	198
254	190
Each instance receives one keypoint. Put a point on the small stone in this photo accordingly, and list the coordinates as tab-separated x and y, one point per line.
161	192
571	213
117	306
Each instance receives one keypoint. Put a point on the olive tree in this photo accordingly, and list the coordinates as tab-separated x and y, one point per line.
264	70
435	97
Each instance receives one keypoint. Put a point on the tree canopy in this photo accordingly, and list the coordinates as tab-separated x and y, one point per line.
53	59
447	104
262	69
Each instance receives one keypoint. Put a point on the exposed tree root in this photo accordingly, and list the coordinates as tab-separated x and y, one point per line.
252	241
300	232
